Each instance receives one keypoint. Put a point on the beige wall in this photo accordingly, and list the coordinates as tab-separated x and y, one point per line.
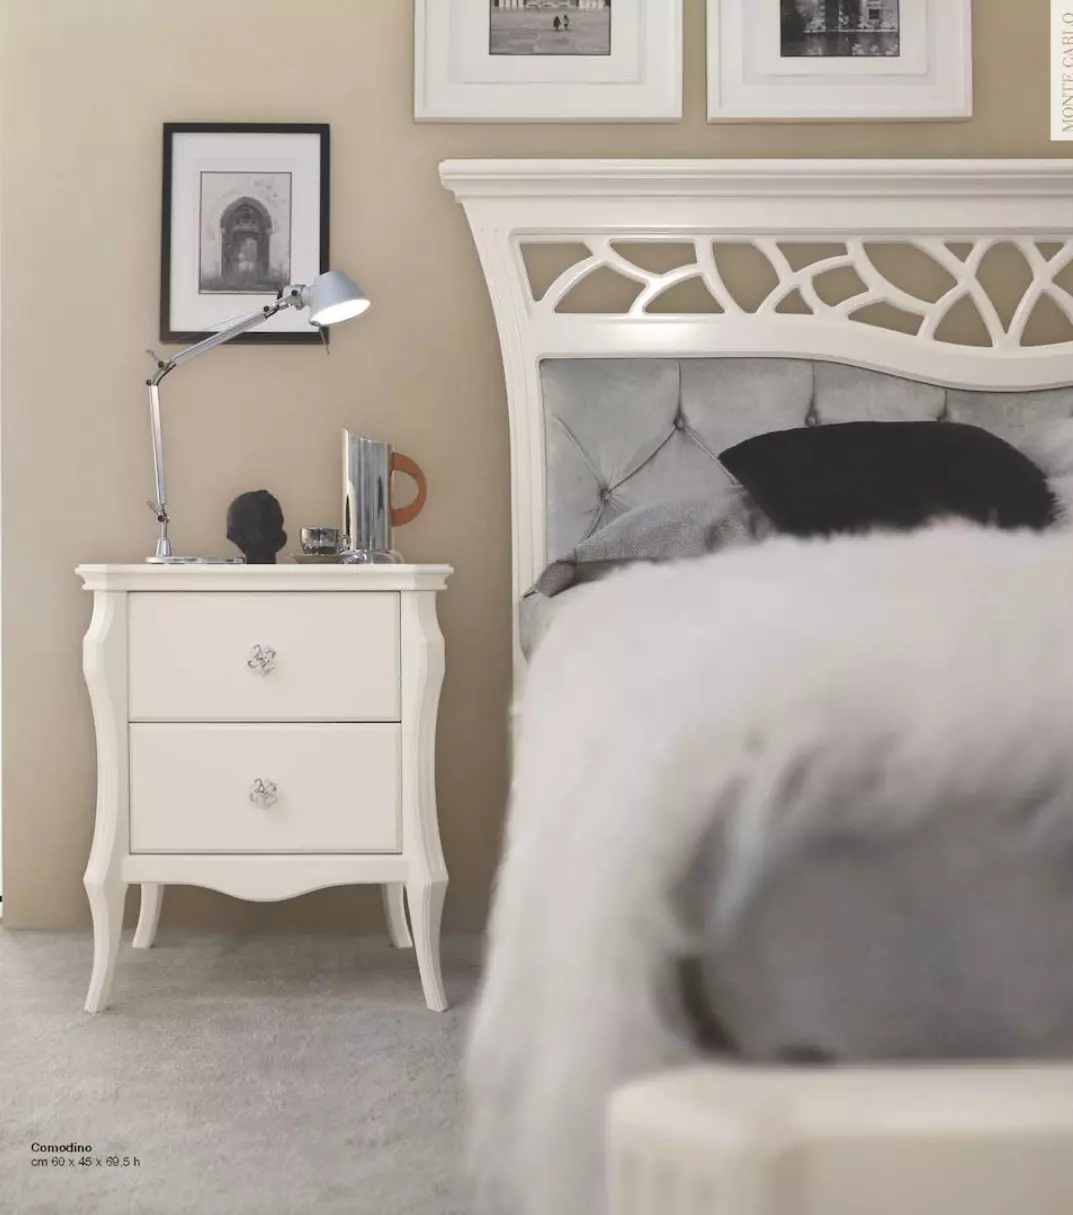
86	85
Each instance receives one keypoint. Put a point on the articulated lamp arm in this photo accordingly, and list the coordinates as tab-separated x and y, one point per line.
291	297
332	297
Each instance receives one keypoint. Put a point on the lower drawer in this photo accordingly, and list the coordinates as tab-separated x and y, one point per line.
265	788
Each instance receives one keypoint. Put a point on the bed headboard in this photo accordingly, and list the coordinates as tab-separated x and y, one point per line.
938	288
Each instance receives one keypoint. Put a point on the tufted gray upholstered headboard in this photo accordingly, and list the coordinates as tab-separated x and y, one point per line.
621	433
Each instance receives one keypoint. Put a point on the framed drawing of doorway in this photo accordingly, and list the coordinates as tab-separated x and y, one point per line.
245	212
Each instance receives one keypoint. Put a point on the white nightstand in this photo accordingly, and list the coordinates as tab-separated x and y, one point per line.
265	731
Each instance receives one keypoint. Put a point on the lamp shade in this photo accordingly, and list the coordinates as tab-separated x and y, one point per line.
334	297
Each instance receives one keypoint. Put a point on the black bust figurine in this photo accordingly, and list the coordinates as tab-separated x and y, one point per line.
255	525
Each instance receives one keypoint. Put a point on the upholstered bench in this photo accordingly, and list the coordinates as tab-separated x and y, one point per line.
804	1141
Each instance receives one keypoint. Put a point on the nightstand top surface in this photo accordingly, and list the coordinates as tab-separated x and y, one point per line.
290	576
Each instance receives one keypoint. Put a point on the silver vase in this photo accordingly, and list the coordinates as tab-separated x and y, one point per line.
368	516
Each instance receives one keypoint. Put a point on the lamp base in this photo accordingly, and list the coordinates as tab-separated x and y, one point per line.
195	560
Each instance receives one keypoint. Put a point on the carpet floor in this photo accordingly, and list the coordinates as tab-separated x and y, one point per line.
246	1076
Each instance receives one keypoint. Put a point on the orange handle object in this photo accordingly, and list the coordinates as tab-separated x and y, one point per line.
407	514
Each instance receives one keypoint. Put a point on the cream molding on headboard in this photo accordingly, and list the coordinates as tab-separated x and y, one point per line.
1026	179
953	213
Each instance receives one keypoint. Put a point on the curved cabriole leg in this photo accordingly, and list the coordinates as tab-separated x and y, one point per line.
426	885
149	915
104	660
425	898
395	909
107	895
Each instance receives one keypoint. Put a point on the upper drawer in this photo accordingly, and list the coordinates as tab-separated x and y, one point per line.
326	657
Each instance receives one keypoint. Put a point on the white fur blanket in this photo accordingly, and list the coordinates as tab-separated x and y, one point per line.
765	692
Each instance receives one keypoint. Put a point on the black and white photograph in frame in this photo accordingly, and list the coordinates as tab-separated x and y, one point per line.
840	28
245	213
245	232
839	60
548	60
549	27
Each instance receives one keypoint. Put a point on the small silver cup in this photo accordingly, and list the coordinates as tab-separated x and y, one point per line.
322	541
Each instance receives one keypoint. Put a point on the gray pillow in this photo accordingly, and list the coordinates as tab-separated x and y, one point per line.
667	531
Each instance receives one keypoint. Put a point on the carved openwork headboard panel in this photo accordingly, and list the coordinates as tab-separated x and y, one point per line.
957	274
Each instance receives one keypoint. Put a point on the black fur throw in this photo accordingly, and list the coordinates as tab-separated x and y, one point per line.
255	525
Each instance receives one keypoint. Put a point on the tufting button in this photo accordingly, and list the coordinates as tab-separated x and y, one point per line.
605	494
679	423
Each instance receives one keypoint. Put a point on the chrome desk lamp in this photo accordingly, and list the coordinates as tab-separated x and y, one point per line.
331	297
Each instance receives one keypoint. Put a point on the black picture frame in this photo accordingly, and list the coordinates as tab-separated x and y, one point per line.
168	332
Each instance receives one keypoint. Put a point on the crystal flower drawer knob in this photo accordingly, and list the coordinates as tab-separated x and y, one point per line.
263	793
262	659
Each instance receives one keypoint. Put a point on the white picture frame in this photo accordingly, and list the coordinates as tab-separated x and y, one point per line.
459	78
751	80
